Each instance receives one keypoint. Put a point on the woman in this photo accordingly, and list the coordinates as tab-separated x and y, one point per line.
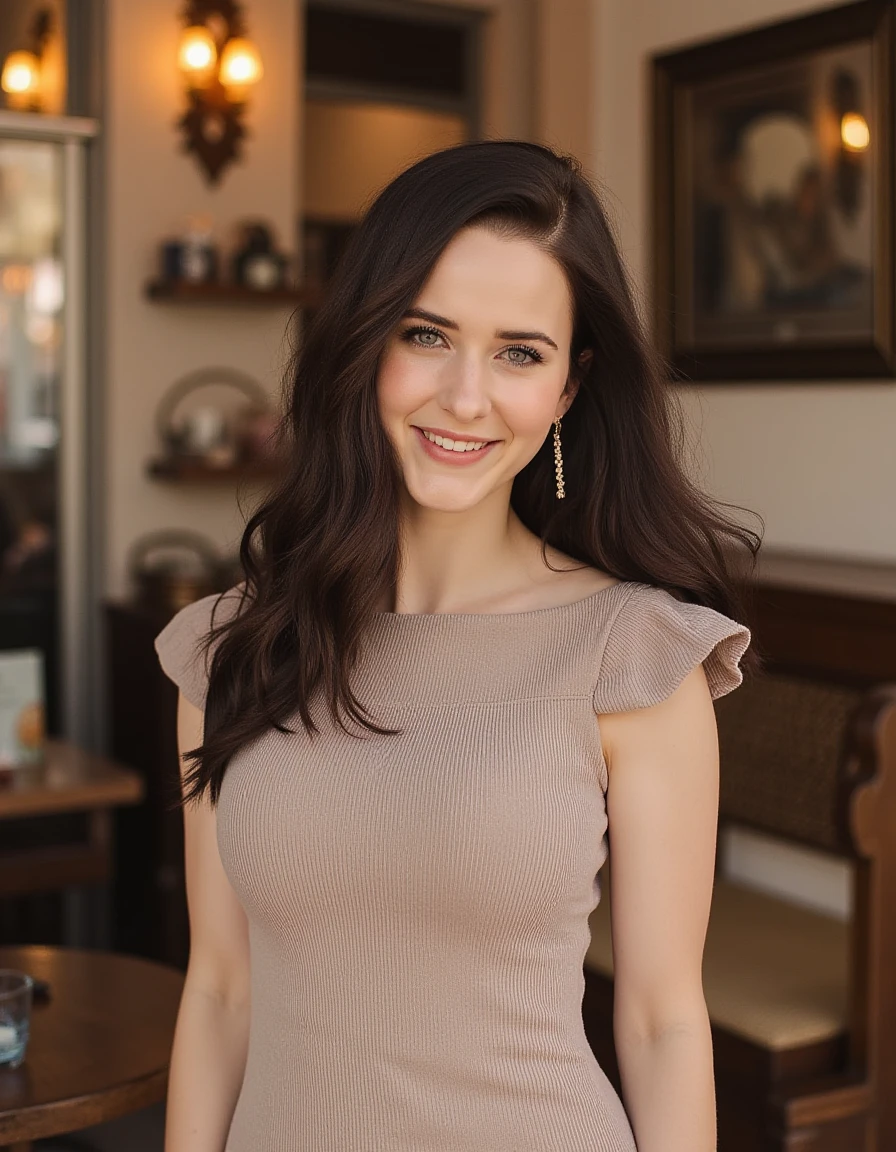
483	620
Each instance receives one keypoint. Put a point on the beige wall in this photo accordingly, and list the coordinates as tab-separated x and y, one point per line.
816	460
568	77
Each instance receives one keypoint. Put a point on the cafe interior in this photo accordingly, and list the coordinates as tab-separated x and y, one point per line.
178	181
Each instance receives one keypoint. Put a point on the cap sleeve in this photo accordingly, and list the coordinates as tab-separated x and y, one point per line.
655	640
179	644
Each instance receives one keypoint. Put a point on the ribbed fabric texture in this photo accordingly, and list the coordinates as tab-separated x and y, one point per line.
418	904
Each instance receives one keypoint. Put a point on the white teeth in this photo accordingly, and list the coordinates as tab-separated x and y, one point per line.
454	445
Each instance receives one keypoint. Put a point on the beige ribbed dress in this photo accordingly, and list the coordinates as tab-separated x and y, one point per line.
418	905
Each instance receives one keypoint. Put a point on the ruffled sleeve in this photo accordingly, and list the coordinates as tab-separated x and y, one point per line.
179	644
655	640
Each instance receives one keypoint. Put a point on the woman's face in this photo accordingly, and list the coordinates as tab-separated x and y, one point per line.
481	358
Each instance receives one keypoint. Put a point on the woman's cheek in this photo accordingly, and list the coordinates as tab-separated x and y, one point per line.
400	383
528	412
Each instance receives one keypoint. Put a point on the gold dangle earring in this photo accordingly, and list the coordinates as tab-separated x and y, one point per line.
558	460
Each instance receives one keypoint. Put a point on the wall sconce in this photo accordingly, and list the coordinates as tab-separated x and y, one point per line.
219	65
21	75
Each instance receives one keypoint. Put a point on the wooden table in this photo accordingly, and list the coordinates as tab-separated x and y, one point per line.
70	780
99	1047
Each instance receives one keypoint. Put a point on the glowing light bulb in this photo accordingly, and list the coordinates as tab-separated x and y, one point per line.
20	78
197	54
240	67
854	132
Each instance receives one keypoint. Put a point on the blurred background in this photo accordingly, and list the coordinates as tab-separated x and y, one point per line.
177	181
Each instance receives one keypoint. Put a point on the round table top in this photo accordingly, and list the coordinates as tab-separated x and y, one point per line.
99	1048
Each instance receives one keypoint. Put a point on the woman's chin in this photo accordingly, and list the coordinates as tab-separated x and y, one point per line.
437	499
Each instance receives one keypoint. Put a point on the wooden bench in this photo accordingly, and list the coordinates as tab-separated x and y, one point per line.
803	1005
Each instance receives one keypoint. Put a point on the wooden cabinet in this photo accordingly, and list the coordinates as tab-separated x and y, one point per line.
149	910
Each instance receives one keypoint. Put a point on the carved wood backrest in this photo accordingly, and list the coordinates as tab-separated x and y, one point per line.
783	741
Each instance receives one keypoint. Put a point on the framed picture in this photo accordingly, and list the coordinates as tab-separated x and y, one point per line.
773	201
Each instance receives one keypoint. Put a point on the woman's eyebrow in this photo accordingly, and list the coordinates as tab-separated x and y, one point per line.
443	322
540	336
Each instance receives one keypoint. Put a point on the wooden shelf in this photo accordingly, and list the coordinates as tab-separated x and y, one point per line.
176	292
194	471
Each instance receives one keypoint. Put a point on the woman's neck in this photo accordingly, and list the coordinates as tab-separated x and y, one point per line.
479	560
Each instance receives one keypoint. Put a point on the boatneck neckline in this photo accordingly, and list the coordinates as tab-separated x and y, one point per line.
528	613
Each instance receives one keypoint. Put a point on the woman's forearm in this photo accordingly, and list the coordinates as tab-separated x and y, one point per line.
668	1087
208	1060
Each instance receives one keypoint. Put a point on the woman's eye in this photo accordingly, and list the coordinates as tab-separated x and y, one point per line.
523	356
422	337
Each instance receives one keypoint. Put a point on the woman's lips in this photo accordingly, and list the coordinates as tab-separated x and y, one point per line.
448	455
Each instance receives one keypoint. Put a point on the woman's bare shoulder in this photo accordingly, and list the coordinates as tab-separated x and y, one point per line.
571	579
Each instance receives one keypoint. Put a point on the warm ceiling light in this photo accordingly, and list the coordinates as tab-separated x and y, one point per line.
854	132
240	66
197	54
21	74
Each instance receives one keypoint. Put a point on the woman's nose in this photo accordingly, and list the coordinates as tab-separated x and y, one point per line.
464	389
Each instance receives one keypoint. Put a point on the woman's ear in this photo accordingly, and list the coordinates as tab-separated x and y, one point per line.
582	364
567	397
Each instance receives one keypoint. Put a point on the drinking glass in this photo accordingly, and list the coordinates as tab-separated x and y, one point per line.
15	1015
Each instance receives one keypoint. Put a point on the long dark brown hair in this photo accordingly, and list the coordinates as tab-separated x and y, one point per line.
323	547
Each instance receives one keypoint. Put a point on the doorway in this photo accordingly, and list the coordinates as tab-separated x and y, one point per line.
386	83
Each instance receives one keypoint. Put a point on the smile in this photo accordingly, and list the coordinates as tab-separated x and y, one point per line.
453	445
449	451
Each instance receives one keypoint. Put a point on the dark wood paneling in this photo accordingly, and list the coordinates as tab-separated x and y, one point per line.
396	52
826	635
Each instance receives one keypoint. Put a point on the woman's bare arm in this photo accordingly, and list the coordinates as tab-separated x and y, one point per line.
662	803
211	1036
